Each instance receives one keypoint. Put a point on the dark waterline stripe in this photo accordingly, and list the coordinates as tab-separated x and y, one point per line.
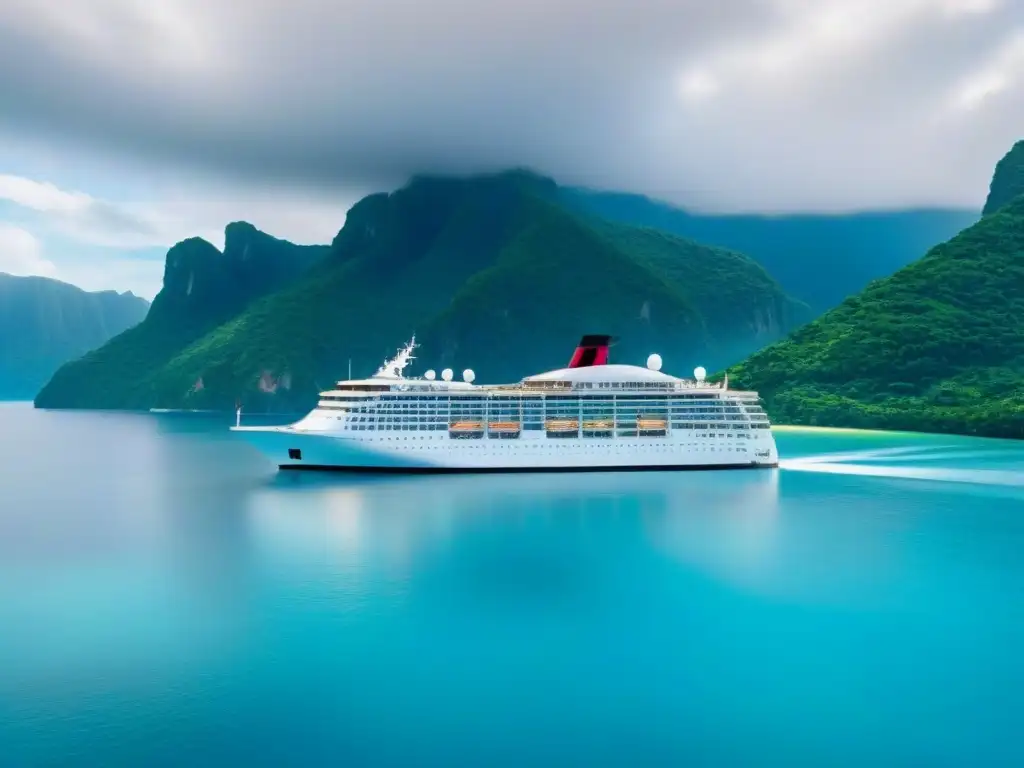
514	470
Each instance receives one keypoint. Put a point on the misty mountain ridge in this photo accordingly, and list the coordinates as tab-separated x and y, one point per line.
818	258
492	272
44	323
476	265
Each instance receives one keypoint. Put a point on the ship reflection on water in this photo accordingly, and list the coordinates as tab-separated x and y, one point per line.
532	524
784	534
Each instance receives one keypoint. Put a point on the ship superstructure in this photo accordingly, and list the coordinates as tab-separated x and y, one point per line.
590	415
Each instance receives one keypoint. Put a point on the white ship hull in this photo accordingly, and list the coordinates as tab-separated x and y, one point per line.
590	416
292	448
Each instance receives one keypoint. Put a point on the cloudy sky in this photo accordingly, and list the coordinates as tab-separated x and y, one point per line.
126	125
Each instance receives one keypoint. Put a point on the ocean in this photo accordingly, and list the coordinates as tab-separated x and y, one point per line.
168	598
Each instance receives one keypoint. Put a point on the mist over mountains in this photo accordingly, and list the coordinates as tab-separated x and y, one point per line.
44	323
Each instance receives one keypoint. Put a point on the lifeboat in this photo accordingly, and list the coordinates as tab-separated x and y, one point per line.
562	425
466	426
651	424
598	426
503	426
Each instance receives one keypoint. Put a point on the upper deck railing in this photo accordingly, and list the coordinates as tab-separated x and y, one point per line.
413	386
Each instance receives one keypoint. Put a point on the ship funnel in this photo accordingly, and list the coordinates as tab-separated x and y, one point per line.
592	350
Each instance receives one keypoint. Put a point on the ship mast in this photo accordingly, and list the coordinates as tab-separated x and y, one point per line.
392	369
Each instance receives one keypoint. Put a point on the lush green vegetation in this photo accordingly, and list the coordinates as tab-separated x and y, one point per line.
1008	180
491	272
44	323
820	259
742	305
203	288
939	346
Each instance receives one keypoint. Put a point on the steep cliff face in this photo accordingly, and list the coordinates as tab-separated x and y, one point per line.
45	323
193	275
765	321
1008	179
203	288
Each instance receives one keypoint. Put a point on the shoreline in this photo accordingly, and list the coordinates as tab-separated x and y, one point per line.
782	428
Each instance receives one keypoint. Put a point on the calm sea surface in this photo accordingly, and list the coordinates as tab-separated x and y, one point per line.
166	598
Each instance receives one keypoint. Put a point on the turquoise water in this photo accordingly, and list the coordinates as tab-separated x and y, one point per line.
166	598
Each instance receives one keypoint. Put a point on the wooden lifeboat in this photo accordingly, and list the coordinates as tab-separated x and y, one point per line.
651	424
562	425
503	426
466	426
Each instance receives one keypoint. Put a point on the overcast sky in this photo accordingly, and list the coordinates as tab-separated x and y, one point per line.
128	124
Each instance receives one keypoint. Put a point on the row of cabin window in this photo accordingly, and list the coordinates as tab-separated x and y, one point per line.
620	417
552	408
527	399
537	427
656	385
514	407
560	433
678	420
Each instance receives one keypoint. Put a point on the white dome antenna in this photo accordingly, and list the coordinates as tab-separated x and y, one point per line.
700	373
430	375
447	374
654	362
468	375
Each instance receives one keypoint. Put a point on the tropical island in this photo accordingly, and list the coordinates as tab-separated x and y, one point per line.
936	347
495	271
492	272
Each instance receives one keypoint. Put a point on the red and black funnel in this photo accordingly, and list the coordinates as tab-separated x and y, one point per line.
592	350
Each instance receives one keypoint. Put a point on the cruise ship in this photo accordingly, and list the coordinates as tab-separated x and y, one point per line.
590	415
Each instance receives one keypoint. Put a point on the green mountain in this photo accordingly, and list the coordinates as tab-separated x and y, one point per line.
1008	180
819	259
44	323
937	347
202	289
491	272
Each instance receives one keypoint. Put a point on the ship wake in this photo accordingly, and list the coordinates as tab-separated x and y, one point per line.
939	463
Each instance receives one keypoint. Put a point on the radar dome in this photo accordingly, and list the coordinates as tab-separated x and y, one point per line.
468	375
447	374
654	362
700	373
429	375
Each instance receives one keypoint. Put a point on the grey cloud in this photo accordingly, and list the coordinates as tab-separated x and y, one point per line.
364	93
106	217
